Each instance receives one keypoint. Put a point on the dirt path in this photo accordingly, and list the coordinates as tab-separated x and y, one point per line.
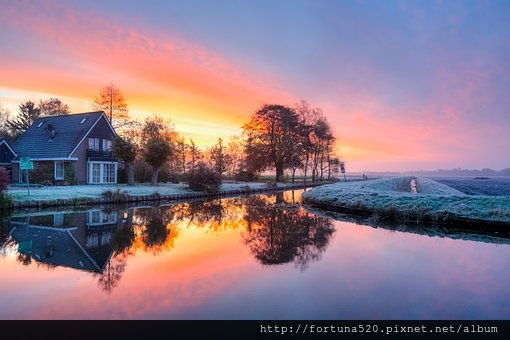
408	184
412	184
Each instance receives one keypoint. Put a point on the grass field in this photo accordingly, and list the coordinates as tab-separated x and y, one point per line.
495	186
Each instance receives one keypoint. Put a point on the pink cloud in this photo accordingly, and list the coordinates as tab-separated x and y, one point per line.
91	50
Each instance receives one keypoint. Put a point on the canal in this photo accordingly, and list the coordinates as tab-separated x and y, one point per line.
251	257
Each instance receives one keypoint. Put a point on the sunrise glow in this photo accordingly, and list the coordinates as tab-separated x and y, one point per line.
406	86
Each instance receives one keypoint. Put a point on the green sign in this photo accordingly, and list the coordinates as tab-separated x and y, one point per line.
25	247
25	164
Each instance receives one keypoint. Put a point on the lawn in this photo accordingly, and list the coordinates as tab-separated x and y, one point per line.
42	193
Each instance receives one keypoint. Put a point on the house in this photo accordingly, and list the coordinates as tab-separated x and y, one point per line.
7	154
67	149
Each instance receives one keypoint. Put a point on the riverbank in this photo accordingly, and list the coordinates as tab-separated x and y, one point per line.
393	199
108	194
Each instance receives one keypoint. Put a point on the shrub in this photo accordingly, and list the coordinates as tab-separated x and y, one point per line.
4	179
246	176
204	179
391	213
5	201
271	185
69	178
43	172
116	195
165	175
121	175
143	171
47	182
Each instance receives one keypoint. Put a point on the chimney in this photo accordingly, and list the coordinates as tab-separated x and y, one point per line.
51	131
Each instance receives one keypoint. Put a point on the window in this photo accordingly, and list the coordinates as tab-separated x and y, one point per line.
94	144
21	176
58	219
59	170
102	172
92	240
107	145
94	217
97	217
108	173
96	173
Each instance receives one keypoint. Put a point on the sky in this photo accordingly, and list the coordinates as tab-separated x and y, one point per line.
406	85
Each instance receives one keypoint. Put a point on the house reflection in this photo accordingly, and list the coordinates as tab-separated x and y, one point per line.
79	240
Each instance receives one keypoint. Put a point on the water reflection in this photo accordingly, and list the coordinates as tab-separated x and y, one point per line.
74	240
281	233
236	258
487	234
100	241
275	228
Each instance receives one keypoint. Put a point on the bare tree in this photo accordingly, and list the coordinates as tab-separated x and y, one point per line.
234	151
180	155
113	103
219	160
322	145
308	116
195	156
4	128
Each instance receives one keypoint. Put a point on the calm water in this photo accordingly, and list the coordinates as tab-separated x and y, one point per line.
260	257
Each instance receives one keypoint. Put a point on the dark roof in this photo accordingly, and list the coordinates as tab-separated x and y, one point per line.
6	152
37	141
64	250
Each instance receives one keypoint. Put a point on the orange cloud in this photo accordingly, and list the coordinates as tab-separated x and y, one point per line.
157	72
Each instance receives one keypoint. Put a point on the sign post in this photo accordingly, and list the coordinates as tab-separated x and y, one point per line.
26	164
342	169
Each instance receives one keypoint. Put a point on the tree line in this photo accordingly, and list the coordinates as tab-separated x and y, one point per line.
276	139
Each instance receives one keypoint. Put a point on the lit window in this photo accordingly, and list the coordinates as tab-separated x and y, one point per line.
59	170
102	172
94	144
107	145
58	219
92	240
109	173
96	173
94	216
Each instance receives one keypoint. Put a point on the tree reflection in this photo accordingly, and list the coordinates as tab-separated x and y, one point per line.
112	272
278	234
122	240
5	240
156	232
124	237
3	232
206	212
24	259
215	215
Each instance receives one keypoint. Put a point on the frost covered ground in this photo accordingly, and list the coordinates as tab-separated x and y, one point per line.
495	186
389	198
95	191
